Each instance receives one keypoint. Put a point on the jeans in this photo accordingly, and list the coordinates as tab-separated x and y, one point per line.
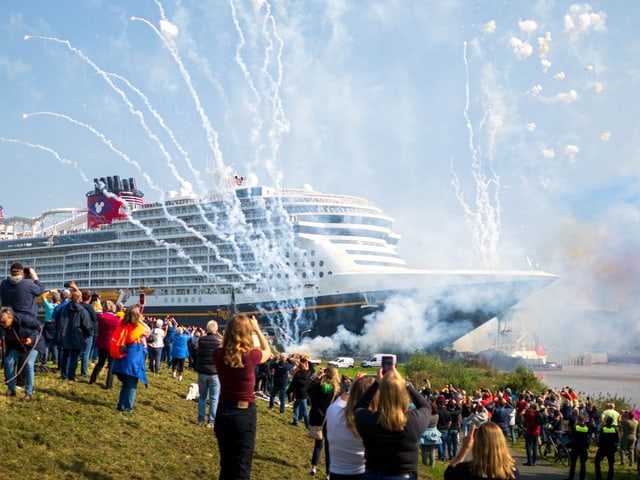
154	359
300	410
428	454
317	450
86	353
69	363
127	392
531	445
442	447
209	387
452	443
103	357
10	369
51	347
168	350
282	396
235	430
94	350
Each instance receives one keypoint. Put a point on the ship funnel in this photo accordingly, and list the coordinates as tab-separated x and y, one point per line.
104	203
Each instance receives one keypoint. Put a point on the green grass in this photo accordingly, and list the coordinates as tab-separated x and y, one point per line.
73	431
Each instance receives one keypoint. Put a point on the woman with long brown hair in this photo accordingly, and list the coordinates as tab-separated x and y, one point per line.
235	422
346	450
491	459
391	433
131	367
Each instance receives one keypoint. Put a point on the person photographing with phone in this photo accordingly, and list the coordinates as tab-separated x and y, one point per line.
391	433
235	421
491	459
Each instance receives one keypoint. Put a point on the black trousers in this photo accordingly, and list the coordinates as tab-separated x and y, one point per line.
236	433
610	455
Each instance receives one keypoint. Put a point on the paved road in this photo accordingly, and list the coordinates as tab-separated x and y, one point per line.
542	471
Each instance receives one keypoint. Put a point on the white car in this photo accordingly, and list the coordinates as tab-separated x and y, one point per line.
342	362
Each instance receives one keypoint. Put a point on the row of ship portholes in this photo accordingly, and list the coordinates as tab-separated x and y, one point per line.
173	300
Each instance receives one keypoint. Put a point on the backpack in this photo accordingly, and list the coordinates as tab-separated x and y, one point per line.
152	337
118	343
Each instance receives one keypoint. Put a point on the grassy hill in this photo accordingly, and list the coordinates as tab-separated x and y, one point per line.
72	430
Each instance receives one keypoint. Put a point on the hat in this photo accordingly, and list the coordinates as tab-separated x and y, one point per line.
159	323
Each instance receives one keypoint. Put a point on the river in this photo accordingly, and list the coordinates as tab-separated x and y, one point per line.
607	379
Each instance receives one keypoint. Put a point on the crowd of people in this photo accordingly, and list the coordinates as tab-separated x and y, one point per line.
374	426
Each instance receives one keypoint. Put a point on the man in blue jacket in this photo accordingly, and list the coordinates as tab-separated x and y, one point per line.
20	290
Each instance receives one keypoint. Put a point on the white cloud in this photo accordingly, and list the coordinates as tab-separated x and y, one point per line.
605	137
598	87
559	76
531	127
520	49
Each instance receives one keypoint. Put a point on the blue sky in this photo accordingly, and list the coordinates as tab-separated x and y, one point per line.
498	134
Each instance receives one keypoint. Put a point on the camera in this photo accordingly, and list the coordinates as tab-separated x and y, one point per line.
67	284
27	272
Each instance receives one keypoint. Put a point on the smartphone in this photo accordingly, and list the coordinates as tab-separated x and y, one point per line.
141	300
387	363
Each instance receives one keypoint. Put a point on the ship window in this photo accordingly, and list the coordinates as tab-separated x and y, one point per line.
321	274
321	263
313	253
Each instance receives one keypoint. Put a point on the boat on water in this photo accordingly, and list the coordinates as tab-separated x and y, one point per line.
303	261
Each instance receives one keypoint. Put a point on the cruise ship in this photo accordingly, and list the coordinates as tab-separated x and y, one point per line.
303	261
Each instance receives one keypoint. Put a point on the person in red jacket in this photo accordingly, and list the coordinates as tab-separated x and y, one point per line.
107	324
533	425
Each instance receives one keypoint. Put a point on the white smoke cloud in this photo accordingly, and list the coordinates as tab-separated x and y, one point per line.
531	127
605	137
581	19
535	90
559	76
168	29
489	27
527	26
546	64
563	97
570	151
520	49
403	325
548	153
543	47
598	87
